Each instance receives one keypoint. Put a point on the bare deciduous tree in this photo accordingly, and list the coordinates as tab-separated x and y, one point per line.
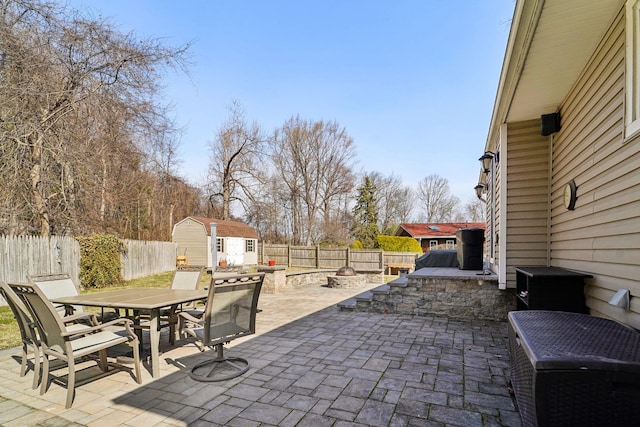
234	171
314	160
395	201
78	114
475	211
268	212
437	202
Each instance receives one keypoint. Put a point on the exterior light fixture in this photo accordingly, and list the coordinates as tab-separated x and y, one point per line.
486	160
621	299
479	190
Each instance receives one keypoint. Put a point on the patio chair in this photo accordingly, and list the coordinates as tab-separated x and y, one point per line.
69	344
28	332
187	277
63	285
230	313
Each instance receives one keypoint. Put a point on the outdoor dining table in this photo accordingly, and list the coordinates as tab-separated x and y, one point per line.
150	300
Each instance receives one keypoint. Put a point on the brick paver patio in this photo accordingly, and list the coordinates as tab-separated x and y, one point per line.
311	365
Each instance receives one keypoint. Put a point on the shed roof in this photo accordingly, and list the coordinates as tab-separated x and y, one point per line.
434	230
226	228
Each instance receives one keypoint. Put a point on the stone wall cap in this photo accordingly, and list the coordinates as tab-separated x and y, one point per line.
270	268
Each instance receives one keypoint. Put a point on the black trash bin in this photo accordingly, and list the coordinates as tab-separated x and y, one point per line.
470	242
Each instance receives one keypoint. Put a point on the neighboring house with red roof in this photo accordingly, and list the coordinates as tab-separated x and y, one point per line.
235	242
436	235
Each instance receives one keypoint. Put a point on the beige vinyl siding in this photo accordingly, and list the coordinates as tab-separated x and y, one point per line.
492	219
602	235
191	237
527	184
497	218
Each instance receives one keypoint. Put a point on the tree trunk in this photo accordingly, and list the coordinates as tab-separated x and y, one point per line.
36	187
226	194
171	209
103	191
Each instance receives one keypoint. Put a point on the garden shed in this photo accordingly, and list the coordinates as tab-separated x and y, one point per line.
235	243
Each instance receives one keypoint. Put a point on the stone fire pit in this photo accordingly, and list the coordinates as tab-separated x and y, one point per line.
346	277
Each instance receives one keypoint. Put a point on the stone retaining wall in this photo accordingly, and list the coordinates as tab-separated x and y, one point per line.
454	297
347	282
277	278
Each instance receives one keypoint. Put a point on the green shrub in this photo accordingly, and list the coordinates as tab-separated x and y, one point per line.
398	244
357	244
100	264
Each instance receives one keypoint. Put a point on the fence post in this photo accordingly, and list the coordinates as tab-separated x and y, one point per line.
289	255
317	256
382	260
348	256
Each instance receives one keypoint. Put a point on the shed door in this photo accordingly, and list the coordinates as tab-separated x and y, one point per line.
235	250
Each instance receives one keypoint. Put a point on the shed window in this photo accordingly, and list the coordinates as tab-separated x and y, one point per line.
220	244
433	244
632	104
250	245
451	244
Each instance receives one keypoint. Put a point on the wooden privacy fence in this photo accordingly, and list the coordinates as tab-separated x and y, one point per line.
147	258
318	257
22	255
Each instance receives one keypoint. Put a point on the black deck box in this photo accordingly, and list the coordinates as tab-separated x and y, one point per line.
572	369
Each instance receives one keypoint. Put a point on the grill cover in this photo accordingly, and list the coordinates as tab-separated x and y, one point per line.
438	258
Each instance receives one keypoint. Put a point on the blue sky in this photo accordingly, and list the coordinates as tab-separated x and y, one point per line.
412	81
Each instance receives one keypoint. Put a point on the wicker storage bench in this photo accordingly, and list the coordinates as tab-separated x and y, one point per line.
572	369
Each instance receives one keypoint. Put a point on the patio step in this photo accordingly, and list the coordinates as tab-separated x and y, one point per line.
442	291
375	300
366	301
399	282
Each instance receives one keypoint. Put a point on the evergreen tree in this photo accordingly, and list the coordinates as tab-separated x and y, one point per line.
365	213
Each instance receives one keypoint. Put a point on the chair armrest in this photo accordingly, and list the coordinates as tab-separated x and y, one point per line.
189	317
119	321
93	319
126	323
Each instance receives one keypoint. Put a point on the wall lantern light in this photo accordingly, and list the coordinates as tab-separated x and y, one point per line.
486	160
479	190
